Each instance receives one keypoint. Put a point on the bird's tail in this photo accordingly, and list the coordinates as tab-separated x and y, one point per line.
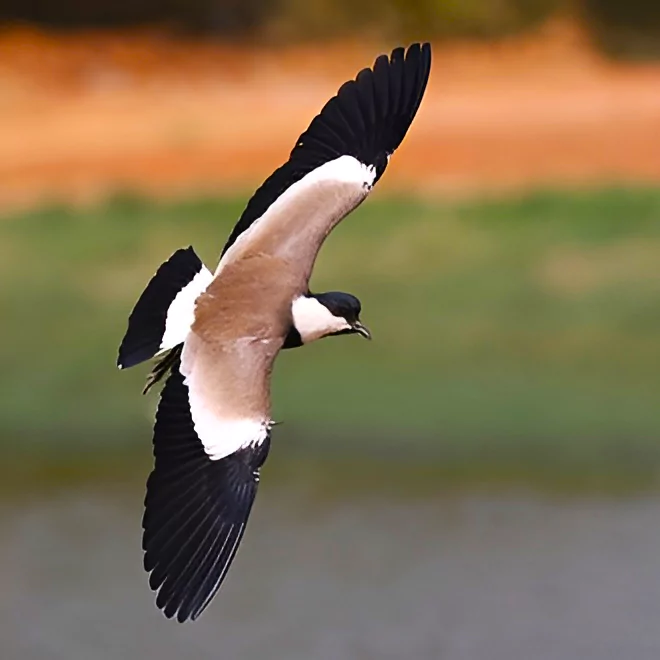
162	316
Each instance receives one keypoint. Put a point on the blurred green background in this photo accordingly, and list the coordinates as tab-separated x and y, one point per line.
510	334
481	480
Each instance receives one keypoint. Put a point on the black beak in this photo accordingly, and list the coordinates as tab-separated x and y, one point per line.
361	330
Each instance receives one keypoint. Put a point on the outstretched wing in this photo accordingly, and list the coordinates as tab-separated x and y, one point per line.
197	505
164	312
212	430
349	141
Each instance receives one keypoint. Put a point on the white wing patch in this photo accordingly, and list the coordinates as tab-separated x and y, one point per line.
181	312
345	169
220	432
222	437
313	320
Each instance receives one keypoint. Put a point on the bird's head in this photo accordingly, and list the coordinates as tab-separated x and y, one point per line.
325	314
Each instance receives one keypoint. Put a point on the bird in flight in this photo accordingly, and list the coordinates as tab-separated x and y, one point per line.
217	334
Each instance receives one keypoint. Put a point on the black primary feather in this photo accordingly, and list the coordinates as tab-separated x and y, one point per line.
367	119
146	323
196	509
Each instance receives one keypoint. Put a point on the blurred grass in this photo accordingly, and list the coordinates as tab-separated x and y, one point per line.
505	331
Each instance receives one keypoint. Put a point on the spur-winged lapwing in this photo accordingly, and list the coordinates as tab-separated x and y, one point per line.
218	334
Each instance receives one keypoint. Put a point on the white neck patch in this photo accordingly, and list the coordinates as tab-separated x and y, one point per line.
313	320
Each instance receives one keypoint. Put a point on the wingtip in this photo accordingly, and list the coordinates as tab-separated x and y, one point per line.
426	52
148	327
423	47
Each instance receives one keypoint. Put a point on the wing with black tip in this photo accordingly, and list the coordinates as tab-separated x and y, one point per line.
366	121
164	312
196	506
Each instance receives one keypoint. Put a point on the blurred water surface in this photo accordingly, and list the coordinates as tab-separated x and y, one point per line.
361	574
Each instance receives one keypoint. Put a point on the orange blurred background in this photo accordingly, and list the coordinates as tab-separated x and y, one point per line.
85	113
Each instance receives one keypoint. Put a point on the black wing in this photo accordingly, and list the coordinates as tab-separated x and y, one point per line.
367	119
146	323
196	509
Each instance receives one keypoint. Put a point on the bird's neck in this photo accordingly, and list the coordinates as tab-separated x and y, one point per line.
312	320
